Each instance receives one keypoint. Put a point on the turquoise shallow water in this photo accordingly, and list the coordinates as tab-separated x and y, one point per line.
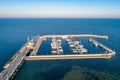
14	32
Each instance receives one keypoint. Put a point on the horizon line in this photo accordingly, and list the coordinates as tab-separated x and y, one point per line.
65	17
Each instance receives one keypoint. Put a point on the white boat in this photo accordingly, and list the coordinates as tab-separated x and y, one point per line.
59	47
71	45
76	42
80	46
96	44
68	40
83	50
74	51
61	50
53	40
90	40
53	45
54	52
59	40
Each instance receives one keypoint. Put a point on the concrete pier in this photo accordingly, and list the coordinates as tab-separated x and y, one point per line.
11	67
37	43
9	70
109	51
76	36
70	57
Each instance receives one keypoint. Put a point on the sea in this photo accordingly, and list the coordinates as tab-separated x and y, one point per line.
15	31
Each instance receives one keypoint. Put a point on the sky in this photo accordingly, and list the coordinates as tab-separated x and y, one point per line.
59	8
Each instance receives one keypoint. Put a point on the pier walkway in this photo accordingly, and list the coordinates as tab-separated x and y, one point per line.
13	65
76	36
70	57
37	43
109	51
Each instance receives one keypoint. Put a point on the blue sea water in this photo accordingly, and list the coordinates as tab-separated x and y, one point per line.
14	33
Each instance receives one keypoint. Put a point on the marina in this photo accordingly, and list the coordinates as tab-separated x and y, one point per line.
29	51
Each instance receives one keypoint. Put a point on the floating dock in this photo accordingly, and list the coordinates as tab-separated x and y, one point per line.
30	49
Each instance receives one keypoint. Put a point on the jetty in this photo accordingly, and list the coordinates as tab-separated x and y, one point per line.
29	52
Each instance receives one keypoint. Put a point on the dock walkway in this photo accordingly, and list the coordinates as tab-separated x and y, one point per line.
8	72
38	40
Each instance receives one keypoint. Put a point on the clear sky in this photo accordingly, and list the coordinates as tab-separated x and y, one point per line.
59	8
